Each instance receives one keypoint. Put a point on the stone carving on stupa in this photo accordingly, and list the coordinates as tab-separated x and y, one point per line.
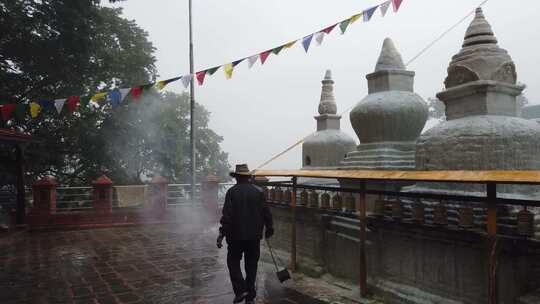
389	119
328	145
482	131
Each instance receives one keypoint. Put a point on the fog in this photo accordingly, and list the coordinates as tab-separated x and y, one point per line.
263	110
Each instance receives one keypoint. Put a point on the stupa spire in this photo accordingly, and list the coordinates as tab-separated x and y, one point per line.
479	31
327	104
390	58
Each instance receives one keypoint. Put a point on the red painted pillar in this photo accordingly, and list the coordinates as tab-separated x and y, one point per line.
158	199
209	196
44	193
102	195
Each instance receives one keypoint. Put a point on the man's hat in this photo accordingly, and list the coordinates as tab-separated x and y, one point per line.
241	169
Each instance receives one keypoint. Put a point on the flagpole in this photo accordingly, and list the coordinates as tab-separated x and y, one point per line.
192	106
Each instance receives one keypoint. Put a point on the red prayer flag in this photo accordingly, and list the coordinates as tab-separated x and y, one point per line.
264	56
72	103
7	111
136	92
396	4
329	29
200	77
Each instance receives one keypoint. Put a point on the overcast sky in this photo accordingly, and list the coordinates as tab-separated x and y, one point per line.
262	111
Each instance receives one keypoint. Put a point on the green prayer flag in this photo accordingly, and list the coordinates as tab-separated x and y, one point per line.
85	100
211	71
343	25
20	111
277	49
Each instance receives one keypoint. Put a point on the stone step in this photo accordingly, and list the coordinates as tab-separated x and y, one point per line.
382	151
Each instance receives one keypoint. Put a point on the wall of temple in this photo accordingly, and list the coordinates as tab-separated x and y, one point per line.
408	264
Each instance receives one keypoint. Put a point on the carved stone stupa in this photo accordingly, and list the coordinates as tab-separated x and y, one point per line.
482	131
389	120
328	145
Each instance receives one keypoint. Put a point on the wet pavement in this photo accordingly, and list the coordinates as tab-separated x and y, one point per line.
138	264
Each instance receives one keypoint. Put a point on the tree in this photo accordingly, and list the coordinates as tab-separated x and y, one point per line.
57	48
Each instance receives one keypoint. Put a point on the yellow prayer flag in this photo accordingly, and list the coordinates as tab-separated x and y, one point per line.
354	18
289	45
161	84
99	96
228	68
34	109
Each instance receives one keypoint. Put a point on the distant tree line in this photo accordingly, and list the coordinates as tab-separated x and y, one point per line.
58	48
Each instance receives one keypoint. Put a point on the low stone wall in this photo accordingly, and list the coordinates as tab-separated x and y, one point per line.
409	263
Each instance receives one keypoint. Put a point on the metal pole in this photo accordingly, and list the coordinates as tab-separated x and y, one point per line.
362	280
21	204
492	242
293	226
192	106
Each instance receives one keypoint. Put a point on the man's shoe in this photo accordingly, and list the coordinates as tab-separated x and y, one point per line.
239	298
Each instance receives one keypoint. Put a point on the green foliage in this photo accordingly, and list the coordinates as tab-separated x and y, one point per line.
56	48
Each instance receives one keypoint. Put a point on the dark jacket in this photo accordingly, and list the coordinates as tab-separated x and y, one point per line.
245	213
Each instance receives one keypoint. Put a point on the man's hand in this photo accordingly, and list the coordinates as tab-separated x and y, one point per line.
219	241
268	232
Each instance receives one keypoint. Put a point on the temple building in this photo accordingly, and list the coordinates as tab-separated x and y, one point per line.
482	131
327	147
389	120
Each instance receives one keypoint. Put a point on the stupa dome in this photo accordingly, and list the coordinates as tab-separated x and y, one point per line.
328	145
390	118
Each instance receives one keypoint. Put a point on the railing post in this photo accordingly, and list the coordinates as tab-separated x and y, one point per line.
102	195
293	225
159	196
492	242
44	194
362	279
209	197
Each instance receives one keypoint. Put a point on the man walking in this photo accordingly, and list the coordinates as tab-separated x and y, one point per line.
245	214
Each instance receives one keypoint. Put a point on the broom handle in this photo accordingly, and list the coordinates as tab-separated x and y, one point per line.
272	254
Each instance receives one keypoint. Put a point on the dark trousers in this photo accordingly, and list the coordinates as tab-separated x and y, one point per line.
251	250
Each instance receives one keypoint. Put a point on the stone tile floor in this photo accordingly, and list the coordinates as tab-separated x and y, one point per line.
138	264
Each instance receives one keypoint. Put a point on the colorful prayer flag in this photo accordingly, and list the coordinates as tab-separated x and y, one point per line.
384	7
123	94
211	71
59	104
20	111
306	41
186	79
44	103
85	100
72	103
237	62
354	18
264	56
99	97
320	37
115	97
396	4
7	111
369	13
228	69
161	84
136	92
35	108
200	77
289	45
278	49
343	25
329	29
252	60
